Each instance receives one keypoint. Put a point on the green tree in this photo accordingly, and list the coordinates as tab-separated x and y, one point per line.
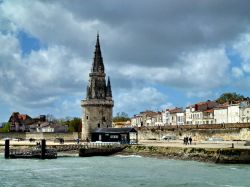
74	125
229	97
121	116
5	128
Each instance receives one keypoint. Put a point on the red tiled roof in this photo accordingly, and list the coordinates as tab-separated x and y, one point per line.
202	103
175	110
223	106
151	114
23	116
209	111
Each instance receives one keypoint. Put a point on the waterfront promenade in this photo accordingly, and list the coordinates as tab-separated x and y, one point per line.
157	143
195	144
207	151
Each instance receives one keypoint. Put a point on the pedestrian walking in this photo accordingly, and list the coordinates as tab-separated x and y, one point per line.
190	140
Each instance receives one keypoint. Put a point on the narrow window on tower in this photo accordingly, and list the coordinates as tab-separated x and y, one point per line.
87	117
98	125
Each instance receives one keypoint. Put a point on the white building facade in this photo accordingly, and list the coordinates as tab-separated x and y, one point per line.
166	117
245	112
233	113
188	116
180	118
136	121
220	115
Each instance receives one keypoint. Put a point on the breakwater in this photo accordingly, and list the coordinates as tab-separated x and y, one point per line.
216	155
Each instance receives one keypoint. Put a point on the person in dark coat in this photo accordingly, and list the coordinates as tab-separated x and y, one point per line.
190	140
186	140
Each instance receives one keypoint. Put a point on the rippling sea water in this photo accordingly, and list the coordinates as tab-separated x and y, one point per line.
120	171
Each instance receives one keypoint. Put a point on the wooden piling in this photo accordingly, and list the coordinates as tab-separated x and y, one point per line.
43	148
7	149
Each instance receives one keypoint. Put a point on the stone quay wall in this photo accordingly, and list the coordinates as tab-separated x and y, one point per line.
217	155
198	133
45	135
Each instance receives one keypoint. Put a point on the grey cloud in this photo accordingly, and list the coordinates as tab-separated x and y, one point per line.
149	35
41	78
157	31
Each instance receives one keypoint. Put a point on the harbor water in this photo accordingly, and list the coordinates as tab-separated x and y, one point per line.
120	171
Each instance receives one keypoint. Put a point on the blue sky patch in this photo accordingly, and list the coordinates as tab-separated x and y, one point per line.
234	57
28	43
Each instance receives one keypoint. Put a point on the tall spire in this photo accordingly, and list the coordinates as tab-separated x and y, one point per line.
97	65
108	90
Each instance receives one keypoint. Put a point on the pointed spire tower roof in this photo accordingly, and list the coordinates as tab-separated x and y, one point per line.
98	65
108	91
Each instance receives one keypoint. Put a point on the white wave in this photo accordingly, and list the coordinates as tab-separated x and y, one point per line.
233	168
49	169
129	156
221	185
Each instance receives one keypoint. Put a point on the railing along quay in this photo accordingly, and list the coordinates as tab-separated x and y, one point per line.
35	152
196	126
48	152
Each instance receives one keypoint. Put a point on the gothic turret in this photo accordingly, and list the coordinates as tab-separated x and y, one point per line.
98	105
97	83
108	90
97	65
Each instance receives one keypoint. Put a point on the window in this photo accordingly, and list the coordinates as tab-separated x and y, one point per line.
103	119
114	136
87	117
98	125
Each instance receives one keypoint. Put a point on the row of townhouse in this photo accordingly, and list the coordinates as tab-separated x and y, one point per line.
147	118
234	113
173	117
209	112
200	113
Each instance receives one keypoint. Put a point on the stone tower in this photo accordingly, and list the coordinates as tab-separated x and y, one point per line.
98	105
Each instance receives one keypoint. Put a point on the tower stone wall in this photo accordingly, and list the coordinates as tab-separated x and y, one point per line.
98	105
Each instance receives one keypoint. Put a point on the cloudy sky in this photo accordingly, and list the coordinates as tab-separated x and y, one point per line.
158	53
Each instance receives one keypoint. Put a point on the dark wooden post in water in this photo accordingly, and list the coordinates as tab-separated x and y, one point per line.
7	149
43	148
137	137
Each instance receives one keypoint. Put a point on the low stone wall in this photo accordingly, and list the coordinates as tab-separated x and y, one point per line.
202	126
216	155
52	136
47	135
12	135
197	134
